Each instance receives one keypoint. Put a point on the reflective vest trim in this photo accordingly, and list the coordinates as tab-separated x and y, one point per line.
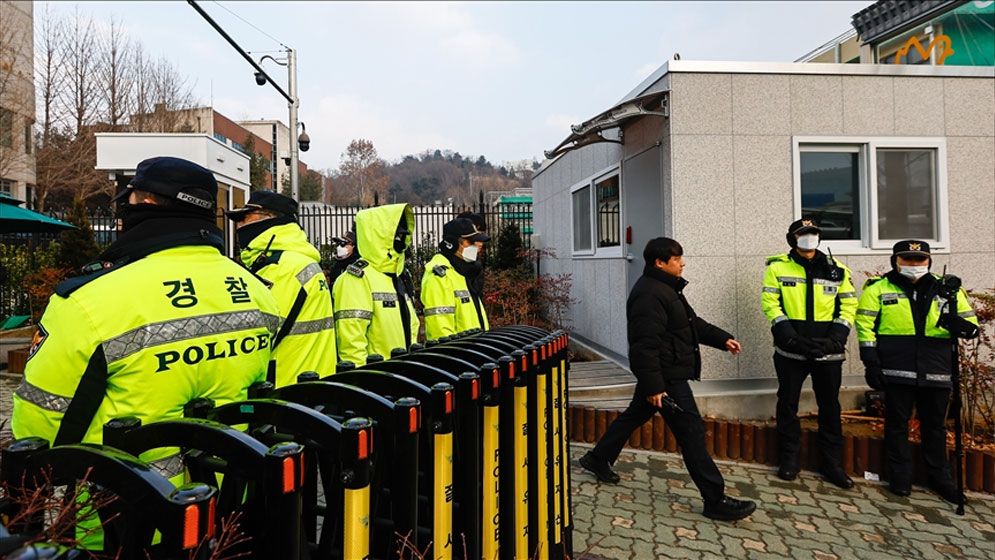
440	311
353	314
168	466
311	327
42	398
461	293
900	373
826	358
309	272
779	318
847	294
868	312
966	314
868	344
185	328
791	279
938	377
771	290
384	296
841	321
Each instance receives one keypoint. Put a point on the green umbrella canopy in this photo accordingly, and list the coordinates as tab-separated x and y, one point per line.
14	219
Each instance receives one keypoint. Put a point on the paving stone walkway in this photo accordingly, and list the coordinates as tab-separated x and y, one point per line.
655	512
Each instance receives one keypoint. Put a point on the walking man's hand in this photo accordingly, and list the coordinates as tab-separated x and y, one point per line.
733	346
657	399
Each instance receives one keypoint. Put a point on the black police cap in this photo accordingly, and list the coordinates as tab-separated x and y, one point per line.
463	228
911	248
266	200
175	178
804	225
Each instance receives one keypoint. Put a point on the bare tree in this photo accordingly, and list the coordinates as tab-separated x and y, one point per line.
80	95
361	173
116	75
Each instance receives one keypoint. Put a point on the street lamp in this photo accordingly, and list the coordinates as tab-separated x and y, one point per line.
303	142
261	79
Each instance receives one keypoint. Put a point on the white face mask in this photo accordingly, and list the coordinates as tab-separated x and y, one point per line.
913	272
808	241
342	251
469	253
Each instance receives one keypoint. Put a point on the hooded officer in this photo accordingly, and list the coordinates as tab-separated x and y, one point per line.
452	305
810	301
163	318
276	248
904	333
374	312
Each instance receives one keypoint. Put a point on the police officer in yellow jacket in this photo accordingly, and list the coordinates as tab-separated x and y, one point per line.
810	301
374	312
163	318
904	334
451	303
276	249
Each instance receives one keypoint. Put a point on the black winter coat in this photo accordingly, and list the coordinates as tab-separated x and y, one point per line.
664	332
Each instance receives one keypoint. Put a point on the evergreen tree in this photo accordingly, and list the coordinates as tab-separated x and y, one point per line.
77	247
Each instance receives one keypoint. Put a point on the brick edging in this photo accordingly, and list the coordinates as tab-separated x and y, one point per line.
756	442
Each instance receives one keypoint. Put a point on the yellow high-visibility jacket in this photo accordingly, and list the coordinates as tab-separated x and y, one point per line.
306	339
449	307
910	348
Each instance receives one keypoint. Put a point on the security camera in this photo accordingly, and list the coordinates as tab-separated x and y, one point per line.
304	142
260	79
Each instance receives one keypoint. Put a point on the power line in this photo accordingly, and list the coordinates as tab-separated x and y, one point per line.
250	24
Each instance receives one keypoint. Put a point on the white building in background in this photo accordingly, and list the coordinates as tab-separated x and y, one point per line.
17	100
278	135
119	153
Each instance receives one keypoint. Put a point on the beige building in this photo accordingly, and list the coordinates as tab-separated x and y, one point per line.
17	99
278	135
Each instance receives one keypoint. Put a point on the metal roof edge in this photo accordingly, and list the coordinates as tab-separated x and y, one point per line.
800	68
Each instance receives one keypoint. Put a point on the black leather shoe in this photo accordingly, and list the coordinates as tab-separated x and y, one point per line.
787	472
946	490
900	489
601	469
837	476
729	509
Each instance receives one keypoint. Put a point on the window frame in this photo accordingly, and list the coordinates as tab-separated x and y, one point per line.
591	181
867	147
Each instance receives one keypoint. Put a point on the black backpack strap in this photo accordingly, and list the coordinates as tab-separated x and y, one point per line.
86	401
288	323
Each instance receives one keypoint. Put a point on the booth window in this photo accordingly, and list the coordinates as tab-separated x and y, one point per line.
609	217
582	219
867	193
596	205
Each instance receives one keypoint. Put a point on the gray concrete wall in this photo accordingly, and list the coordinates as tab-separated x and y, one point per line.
733	191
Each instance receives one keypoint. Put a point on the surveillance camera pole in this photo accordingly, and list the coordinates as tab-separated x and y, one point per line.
293	104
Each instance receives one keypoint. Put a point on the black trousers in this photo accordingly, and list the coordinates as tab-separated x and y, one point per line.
688	428
826	380
931	407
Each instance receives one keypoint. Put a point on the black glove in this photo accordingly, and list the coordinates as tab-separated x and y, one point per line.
829	345
805	346
874	377
783	332
961	327
838	333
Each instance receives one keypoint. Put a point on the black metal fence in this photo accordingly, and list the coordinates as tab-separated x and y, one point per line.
23	254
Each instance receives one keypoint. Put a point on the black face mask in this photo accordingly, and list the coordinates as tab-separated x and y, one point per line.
400	241
133	214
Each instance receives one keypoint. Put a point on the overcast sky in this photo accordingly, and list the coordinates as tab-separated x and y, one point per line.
500	79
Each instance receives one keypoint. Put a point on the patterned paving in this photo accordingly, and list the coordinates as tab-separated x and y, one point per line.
655	512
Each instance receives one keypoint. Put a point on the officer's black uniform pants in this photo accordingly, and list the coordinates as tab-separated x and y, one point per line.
826	380
931	408
688	428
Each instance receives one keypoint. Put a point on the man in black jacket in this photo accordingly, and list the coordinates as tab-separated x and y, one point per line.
664	334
